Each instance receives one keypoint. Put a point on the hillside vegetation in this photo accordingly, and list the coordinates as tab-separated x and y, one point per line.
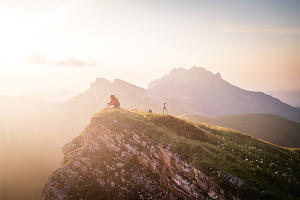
264	171
267	127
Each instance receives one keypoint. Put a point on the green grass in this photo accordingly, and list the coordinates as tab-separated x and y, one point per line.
267	127
270	171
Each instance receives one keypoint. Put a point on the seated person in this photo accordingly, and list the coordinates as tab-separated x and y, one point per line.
114	101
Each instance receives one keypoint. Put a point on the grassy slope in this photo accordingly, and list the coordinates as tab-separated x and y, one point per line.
270	172
268	127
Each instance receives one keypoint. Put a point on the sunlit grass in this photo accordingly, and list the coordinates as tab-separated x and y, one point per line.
270	171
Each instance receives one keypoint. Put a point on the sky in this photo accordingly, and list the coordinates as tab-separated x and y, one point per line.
55	45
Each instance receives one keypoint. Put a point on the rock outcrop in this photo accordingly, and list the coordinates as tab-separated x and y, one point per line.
113	160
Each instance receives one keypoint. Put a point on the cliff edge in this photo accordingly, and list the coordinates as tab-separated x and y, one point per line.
116	159
125	154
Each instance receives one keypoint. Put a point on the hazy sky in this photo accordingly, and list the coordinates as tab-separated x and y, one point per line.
47	45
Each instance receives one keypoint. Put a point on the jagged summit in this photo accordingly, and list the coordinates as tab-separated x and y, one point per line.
127	85
99	83
202	92
194	74
137	155
190	70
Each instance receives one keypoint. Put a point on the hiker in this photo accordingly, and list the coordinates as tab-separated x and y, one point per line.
165	109
114	101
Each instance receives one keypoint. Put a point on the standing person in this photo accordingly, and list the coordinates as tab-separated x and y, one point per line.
114	101
165	109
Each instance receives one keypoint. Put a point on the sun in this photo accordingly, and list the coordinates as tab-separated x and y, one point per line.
17	40
14	42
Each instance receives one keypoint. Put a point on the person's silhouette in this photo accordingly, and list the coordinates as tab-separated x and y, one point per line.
165	111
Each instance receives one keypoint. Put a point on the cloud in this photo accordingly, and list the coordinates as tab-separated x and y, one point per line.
36	58
40	59
262	29
72	61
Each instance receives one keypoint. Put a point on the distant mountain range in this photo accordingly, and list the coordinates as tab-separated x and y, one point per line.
202	92
291	97
195	91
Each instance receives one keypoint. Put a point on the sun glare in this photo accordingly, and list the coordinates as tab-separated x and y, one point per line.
15	41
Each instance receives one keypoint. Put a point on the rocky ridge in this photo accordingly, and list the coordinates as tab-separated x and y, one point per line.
112	159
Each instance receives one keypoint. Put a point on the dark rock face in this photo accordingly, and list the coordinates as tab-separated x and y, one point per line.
103	163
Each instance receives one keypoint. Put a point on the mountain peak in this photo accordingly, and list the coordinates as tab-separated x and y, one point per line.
190	70
195	68
124	84
206	93
202	70
100	82
178	70
193	74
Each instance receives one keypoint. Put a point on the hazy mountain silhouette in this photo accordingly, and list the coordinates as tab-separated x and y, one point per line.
75	113
291	97
97	96
203	92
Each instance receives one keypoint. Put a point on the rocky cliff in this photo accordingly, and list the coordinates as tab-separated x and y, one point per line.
114	159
